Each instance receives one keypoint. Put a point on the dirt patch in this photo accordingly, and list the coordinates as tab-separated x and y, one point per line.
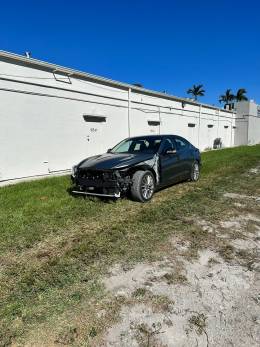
124	282
242	197
216	308
239	225
214	298
255	170
206	225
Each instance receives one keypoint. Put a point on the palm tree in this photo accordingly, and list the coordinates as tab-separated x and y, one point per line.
227	98
240	95
196	90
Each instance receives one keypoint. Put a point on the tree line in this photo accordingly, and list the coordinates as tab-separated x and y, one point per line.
227	98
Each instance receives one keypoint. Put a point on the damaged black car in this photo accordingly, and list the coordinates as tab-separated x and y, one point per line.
137	166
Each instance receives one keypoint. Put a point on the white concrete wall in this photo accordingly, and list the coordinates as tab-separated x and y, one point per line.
247	113
241	131
43	129
245	108
253	130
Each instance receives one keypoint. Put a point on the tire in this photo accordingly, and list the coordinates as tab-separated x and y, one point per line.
195	172
143	186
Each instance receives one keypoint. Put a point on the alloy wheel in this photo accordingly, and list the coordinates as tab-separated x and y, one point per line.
147	187
196	171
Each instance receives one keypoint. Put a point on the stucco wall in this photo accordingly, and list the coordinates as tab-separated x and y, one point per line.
43	129
253	130
241	131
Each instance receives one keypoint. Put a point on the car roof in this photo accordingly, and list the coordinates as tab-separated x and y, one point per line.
163	136
153	136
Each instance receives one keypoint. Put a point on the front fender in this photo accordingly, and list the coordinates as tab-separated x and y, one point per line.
151	164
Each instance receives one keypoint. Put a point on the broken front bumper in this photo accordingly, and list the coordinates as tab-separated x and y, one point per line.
96	186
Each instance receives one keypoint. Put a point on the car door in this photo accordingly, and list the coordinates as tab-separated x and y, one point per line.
169	162
184	155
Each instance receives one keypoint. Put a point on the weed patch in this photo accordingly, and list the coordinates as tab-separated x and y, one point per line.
54	248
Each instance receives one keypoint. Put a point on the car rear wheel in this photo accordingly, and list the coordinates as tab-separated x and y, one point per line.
195	172
143	186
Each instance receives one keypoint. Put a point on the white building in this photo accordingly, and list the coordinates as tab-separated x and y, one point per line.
52	117
248	123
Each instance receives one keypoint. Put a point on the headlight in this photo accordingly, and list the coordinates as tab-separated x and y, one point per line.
74	170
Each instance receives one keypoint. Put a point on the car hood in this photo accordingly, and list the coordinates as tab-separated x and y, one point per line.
110	161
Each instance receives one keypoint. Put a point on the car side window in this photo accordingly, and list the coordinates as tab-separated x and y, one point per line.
169	144
180	144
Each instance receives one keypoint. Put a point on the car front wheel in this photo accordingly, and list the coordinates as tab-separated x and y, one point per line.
143	186
195	171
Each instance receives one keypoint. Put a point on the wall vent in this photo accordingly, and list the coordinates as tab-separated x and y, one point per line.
94	119
61	77
225	126
154	122
191	125
210	125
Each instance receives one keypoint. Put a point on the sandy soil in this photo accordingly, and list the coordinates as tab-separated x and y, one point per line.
207	301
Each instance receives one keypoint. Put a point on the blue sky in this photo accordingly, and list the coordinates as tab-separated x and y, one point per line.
165	45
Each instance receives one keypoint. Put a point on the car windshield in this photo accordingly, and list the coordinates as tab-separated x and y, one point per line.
136	145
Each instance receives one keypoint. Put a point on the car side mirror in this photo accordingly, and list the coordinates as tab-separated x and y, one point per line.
109	150
171	151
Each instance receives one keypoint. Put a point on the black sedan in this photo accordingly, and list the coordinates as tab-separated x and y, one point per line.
138	166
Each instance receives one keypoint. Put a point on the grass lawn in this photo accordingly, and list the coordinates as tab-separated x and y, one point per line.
54	248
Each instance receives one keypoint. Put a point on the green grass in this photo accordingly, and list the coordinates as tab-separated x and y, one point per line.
54	247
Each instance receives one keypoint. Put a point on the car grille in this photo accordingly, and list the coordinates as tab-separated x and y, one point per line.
96	175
